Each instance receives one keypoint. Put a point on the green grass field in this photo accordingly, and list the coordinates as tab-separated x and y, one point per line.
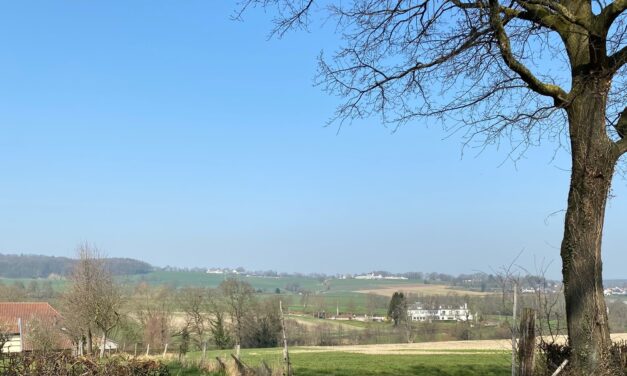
57	284
267	284
348	364
181	279
309	363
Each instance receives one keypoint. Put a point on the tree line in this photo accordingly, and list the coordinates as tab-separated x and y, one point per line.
40	266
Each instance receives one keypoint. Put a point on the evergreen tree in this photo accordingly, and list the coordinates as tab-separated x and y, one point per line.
397	310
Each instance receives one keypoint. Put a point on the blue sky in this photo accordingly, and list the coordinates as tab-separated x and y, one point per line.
164	131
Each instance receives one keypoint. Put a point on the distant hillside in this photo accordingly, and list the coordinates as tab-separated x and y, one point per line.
39	266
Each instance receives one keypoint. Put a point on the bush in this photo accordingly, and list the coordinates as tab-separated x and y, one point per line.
553	354
63	364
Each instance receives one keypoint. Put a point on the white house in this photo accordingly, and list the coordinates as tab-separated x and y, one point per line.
378	276
369	276
215	271
417	312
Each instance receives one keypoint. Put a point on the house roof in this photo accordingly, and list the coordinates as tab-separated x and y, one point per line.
28	311
12	311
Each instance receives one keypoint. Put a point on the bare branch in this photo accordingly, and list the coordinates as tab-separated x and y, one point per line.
611	12
621	129
292	14
532	11
542	7
554	91
618	60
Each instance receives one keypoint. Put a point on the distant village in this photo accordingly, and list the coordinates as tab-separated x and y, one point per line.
238	271
615	291
477	281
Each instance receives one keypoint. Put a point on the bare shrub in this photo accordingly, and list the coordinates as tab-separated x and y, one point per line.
63	364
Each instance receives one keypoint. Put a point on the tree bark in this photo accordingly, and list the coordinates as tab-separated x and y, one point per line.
90	345
594	157
104	344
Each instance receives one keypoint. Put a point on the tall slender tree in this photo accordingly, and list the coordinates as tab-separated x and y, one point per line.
526	70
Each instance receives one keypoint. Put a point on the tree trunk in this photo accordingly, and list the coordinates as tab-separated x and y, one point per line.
593	160
104	344
90	345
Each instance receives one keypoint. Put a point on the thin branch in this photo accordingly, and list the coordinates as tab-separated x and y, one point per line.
621	129
618	59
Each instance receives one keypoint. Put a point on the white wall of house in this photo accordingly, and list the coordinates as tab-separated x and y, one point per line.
13	345
442	313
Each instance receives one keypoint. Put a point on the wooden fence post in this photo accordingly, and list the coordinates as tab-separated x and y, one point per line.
221	364
242	369
527	343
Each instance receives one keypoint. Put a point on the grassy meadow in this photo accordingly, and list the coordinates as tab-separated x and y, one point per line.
310	361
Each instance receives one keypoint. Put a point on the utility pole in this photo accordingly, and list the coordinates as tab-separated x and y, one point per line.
514	347
286	354
19	327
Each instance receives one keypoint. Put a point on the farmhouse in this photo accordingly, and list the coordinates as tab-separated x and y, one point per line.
417	312
18	321
379	276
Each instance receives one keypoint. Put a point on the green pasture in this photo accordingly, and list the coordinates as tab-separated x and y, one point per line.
57	284
307	362
199	279
266	284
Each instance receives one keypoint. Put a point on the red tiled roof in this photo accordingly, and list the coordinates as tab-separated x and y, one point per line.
27	311
11	312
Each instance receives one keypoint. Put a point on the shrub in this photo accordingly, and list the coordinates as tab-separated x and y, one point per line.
63	364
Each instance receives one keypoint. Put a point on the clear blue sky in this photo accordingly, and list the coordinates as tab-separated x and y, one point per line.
164	131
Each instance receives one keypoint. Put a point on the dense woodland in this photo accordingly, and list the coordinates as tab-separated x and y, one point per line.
40	266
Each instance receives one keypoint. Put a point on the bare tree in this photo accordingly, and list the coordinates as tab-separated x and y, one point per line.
43	335
509	280
93	298
529	70
196	303
238	297
153	309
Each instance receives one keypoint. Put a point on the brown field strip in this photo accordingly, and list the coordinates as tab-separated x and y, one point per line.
424	348
421	289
